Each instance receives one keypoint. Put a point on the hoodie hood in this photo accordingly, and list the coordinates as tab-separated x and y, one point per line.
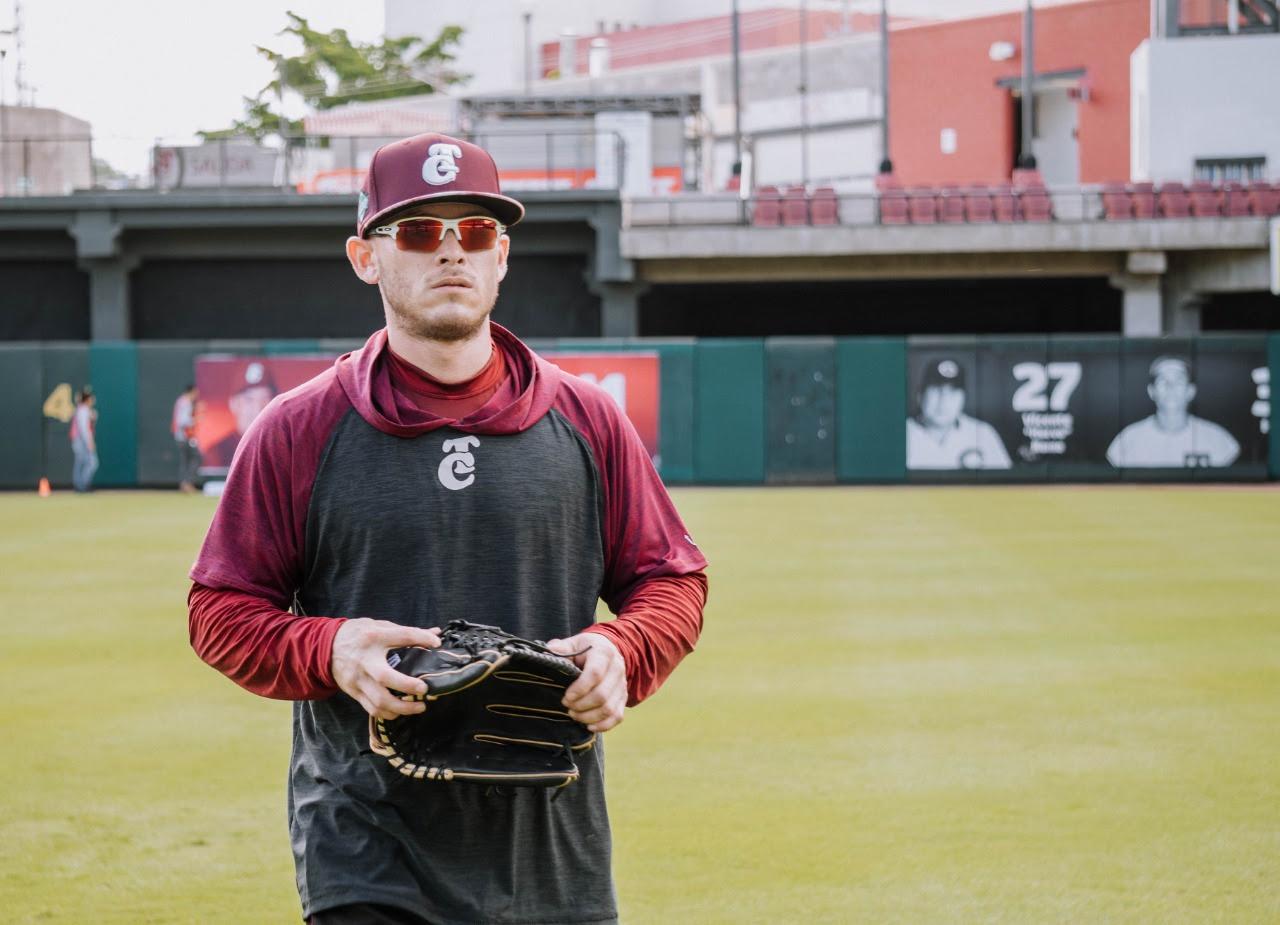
366	380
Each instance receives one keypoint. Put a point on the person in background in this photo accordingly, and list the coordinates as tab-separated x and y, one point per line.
84	442
183	428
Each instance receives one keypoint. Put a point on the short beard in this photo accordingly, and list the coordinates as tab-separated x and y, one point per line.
448	330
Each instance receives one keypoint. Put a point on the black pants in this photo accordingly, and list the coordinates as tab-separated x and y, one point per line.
366	914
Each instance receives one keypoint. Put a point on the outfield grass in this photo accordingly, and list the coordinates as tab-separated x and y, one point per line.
909	705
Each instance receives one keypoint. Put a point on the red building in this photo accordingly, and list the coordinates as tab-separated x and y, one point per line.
954	99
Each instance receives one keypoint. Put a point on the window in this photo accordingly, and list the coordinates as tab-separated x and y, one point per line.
1233	169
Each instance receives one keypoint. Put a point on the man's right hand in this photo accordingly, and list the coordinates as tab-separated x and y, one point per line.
360	665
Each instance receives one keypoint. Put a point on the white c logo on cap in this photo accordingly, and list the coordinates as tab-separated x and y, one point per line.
440	166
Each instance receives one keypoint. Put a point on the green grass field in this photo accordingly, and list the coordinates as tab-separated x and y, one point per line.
909	705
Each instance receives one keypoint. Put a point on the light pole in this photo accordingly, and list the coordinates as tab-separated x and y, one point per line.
886	163
737	98
804	93
528	49
1027	159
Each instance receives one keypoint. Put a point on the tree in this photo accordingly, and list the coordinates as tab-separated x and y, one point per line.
332	70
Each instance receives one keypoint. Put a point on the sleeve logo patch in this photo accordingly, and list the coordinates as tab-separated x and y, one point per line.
457	469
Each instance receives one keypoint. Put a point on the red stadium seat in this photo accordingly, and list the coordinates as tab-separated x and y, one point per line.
1036	204
1116	202
824	208
893	207
886	182
1174	202
1264	198
923	205
1027	176
795	206
1143	198
1206	200
951	204
977	204
1004	204
1235	200
768	207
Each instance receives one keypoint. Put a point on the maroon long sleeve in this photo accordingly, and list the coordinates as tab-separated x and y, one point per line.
262	648
657	627
273	653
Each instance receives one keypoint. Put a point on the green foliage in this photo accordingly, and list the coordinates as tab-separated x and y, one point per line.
332	70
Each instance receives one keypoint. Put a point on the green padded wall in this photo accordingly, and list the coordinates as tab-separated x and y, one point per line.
800	410
729	394
1273	357
22	385
165	368
113	369
871	409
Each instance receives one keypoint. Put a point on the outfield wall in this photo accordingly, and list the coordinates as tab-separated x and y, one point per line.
773	410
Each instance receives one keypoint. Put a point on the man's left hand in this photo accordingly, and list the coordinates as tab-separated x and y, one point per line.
599	696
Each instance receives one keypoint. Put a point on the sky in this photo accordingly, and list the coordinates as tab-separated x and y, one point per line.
139	70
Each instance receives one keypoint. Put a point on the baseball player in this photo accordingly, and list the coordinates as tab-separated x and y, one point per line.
1172	437
443	471
942	436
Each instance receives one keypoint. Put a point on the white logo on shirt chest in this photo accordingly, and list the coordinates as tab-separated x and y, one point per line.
458	463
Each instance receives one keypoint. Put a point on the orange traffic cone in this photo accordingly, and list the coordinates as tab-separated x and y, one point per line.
45	490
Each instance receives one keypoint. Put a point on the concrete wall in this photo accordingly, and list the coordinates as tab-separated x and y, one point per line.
1204	97
43	152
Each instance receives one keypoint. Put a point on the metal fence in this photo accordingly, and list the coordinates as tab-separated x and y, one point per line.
59	166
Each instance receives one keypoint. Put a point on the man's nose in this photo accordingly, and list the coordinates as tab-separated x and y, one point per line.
450	248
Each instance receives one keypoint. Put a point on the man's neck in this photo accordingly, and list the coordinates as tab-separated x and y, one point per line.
449	362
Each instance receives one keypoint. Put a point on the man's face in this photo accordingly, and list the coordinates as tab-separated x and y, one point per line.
248	403
940	406
1172	390
445	295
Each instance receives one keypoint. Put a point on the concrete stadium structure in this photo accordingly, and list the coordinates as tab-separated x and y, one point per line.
114	266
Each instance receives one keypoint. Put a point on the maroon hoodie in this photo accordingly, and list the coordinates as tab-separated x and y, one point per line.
346	499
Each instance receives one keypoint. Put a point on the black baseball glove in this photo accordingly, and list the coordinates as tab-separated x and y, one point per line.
493	712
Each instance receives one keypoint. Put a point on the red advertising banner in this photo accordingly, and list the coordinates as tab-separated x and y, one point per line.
631	379
233	391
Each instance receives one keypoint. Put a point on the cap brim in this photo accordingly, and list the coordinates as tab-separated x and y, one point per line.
508	211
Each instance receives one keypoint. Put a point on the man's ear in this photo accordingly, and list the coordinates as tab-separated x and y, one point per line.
360	254
504	248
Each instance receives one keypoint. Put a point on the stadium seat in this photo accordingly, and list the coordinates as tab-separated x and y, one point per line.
824	208
1024	177
886	182
923	205
977	204
1264	198
1116	202
1036	204
893	207
768	207
1235	200
1143	198
1206	200
1004	204
1174	202
795	206
951	204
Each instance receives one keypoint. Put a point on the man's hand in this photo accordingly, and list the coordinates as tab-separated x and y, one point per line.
599	696
360	665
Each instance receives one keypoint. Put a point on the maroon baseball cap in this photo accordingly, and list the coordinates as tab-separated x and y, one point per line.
431	168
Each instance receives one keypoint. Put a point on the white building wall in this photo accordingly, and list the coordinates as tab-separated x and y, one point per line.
1204	97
